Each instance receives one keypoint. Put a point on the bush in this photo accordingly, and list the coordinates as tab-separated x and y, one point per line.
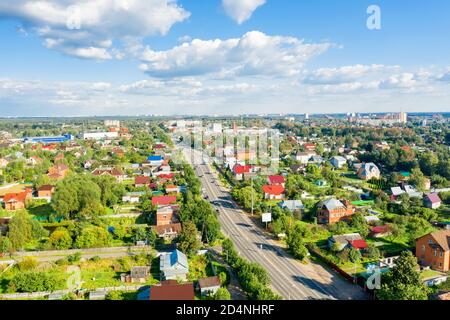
72	258
35	282
28	263
354	255
60	239
95	259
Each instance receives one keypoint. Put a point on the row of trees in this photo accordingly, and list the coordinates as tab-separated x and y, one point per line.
253	278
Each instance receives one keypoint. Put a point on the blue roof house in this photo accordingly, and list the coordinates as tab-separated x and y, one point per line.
155	160
174	266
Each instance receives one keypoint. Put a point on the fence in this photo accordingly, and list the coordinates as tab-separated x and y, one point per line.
82	251
35	295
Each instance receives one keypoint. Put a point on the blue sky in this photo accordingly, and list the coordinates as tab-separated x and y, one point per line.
271	56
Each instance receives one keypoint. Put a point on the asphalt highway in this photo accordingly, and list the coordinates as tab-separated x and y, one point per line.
290	278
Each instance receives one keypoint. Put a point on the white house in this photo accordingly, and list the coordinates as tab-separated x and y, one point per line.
338	162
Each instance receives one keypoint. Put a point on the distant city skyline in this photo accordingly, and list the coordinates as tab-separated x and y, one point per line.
222	57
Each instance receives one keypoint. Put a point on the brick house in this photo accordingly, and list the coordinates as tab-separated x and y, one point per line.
164	216
58	171
433	250
332	210
17	201
46	191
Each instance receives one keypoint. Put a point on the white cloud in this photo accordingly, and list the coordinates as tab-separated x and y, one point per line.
241	10
347	73
88	28
255	53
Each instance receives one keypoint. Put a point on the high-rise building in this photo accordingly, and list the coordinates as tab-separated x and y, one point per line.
112	123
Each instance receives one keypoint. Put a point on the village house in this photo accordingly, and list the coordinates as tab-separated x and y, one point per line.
114	172
433	250
368	171
304	157
332	210
46	192
292	205
276	181
172	290
309	146
171	188
155	161
164	200
17	201
338	162
58	171
138	274
379	231
239	171
168	232
350	240
174	266
273	192
141	181
432	201
132	197
209	286
165	216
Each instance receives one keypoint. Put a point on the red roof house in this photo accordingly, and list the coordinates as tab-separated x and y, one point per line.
164	200
171	290
277	180
359	244
16	201
141	181
273	191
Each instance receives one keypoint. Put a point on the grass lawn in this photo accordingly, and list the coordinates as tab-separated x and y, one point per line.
106	272
389	247
349	267
428	274
42	211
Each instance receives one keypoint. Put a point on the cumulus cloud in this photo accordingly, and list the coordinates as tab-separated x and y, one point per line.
88	28
241	10
255	53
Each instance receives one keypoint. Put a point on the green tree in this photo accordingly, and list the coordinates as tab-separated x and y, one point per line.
295	242
20	230
418	179
359	223
60	239
5	245
222	294
188	240
34	282
93	237
403	281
